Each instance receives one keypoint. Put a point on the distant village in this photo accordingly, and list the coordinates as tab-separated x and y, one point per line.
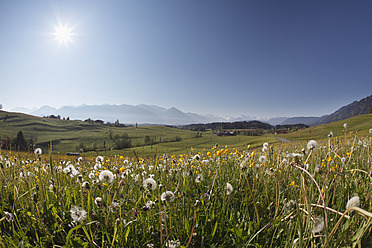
90	121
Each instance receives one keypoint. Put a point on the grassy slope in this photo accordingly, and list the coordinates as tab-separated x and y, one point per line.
360	124
67	135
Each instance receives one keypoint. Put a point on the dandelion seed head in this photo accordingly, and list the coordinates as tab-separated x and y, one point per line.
99	159
106	176
8	216
173	244
98	201
199	178
312	145
353	202
149	184
38	151
167	196
262	159
229	188
78	214
318	224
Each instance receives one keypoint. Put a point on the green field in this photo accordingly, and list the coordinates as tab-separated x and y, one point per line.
68	135
204	196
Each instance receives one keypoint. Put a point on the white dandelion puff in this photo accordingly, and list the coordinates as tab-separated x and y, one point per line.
8	216
106	176
312	145
91	175
370	130
353	202
199	178
318	224
149	184
345	125
172	244
167	196
97	201
78	214
99	159
229	188
262	159
38	151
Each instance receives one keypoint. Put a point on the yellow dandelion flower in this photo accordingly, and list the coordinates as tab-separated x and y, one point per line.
329	159
121	157
122	169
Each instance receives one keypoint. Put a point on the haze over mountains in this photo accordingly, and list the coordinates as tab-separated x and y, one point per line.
152	114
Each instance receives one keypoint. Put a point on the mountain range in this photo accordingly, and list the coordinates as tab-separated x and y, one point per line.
151	114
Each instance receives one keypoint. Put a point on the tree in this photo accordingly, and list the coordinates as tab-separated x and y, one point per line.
121	141
149	140
21	143
1	106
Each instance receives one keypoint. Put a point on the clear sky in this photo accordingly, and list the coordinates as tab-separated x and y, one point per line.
229	58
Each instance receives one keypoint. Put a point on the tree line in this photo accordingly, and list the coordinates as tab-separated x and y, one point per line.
18	143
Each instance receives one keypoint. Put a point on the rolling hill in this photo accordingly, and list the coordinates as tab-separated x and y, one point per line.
361	107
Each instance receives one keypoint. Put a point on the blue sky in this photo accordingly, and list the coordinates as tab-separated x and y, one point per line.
228	58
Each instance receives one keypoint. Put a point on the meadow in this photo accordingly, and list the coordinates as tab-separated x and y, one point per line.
300	194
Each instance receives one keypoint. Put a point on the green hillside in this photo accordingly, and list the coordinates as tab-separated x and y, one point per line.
68	135
360	124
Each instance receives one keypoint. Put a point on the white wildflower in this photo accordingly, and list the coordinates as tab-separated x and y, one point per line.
229	188
318	224
345	125
330	135
172	244
38	151
97	201
353	202
262	159
99	159
149	184
167	196
78	214
8	216
312	145
199	178
106	176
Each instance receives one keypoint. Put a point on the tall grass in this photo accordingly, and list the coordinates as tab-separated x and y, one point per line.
293	198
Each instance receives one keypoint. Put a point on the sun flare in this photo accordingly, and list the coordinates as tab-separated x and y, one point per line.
63	34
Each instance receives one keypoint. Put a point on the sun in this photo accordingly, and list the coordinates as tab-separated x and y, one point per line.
63	34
